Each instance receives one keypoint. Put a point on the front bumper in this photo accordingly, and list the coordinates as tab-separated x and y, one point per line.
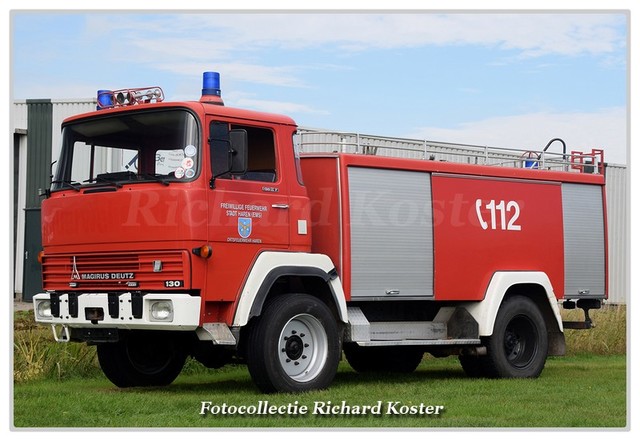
152	311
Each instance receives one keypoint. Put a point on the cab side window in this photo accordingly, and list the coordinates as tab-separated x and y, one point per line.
261	154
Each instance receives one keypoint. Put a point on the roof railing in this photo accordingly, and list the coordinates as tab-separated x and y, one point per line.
313	141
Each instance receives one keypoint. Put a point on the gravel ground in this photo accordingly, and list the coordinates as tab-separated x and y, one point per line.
22	306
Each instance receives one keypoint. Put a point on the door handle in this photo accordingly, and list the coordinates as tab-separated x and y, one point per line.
283	206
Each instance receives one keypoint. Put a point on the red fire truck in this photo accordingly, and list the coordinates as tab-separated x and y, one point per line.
191	229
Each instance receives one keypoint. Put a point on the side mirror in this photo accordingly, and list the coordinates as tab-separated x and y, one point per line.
46	192
238	154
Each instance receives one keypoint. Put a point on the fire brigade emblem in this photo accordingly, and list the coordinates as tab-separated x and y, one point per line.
244	227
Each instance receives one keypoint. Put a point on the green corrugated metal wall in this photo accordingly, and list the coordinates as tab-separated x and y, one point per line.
39	138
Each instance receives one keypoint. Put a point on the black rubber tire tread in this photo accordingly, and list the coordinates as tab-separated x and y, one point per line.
473	366
211	356
118	363
389	359
262	346
522	312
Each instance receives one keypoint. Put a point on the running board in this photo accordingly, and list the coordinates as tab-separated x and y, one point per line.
451	326
449	342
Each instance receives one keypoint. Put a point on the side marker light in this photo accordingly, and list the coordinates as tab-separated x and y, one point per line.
205	251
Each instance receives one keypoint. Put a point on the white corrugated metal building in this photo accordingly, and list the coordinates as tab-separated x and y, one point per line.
618	224
35	131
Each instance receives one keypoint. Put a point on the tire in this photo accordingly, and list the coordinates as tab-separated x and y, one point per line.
385	359
518	347
211	356
473	366
142	358
294	346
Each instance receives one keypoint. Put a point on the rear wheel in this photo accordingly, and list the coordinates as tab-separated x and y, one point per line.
294	346
518	347
397	359
142	358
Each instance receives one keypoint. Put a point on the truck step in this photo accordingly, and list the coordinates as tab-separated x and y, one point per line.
397	331
451	326
445	342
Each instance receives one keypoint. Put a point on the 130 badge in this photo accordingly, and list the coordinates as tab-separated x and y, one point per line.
173	283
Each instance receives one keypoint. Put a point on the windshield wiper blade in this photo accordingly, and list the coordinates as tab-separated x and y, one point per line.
155	178
104	181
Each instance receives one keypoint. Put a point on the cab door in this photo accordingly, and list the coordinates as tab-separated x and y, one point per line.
248	212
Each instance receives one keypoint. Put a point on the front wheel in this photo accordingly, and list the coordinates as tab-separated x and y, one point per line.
518	347
294	346
143	358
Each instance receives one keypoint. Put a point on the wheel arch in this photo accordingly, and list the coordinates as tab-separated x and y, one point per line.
276	273
533	285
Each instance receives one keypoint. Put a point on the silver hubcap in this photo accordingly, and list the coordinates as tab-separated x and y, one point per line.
303	347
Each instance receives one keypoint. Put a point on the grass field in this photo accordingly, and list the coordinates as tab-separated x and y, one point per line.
60	385
578	391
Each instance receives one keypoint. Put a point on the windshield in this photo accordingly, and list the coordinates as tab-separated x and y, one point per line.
128	148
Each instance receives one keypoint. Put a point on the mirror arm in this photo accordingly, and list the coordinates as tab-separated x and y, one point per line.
212	181
46	192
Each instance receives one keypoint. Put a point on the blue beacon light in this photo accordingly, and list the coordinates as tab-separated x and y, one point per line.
211	88
105	99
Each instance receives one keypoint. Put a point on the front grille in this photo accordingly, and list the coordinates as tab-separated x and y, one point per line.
144	271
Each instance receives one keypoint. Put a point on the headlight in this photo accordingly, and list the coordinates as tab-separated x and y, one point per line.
162	311
43	310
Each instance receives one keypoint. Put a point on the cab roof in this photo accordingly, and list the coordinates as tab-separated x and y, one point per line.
198	107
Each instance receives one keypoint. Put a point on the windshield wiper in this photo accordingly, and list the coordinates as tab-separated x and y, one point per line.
104	181
70	184
155	178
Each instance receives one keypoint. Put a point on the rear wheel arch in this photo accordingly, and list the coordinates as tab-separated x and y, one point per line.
533	285
539	296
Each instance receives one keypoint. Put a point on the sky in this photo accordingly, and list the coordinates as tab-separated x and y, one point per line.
513	80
